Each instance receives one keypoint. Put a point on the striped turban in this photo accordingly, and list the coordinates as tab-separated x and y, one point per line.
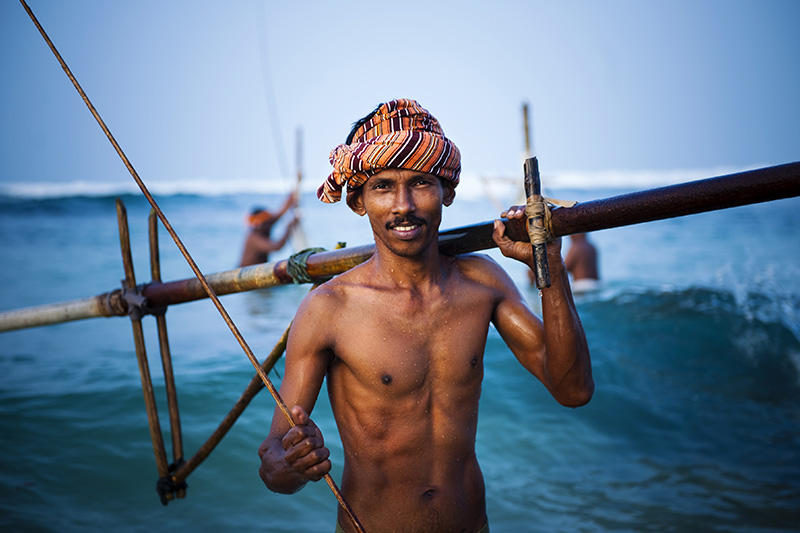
400	134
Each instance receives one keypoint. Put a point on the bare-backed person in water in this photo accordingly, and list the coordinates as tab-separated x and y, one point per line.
581	262
259	242
401	341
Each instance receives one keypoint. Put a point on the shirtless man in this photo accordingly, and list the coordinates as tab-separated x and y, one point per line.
581	262
259	242
401	340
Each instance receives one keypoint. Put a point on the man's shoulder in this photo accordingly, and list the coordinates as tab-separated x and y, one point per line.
334	291
483	271
479	267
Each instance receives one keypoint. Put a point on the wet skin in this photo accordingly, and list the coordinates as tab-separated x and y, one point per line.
401	340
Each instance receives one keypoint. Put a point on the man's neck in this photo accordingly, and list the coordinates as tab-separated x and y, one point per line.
415	272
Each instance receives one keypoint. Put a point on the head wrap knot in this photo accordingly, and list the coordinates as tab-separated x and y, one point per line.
400	134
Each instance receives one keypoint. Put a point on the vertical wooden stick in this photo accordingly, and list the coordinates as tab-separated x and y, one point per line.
129	283
534	210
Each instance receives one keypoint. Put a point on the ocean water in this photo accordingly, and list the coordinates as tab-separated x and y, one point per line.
695	342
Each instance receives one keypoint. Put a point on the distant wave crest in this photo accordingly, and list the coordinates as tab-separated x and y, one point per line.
471	186
102	189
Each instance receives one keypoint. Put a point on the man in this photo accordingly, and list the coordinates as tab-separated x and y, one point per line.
259	242
581	262
401	337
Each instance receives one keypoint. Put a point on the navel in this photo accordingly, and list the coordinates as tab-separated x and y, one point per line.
386	379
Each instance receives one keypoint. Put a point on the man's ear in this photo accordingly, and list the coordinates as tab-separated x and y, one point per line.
355	200
449	193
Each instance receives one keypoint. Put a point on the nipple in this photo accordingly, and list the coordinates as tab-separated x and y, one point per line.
428	495
386	379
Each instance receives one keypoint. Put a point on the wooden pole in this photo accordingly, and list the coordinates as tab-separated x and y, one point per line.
298	236
103	305
176	435
527	130
535	214
734	190
743	188
141	355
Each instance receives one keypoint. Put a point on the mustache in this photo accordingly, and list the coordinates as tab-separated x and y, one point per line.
408	220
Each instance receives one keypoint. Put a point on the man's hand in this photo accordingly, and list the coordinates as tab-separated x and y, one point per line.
521	251
305	448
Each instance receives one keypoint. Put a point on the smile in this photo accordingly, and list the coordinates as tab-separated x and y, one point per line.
406	230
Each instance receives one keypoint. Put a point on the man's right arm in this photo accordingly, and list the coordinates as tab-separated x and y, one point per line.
280	243
292	456
290	202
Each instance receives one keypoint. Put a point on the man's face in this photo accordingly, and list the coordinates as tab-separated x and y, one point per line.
404	209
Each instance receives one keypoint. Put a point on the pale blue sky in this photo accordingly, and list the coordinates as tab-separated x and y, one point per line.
620	85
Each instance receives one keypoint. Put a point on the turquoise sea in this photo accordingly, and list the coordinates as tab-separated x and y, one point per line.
695	341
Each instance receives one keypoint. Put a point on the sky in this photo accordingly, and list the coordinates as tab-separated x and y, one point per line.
217	91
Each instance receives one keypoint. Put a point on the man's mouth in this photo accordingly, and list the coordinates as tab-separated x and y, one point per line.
407	227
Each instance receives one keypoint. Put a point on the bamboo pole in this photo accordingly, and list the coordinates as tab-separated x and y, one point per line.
743	188
176	435
103	305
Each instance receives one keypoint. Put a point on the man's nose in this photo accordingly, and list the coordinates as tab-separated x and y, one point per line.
404	200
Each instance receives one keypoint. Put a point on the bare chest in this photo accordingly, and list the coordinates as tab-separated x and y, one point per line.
398	347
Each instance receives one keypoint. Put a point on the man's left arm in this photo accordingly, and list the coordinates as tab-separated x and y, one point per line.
554	349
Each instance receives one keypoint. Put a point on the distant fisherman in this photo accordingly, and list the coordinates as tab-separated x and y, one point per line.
259	242
581	263
401	340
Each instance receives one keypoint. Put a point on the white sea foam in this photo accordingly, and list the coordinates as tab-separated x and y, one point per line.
630	180
471	186
91	188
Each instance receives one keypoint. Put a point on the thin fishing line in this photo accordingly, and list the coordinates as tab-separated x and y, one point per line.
209	290
266	76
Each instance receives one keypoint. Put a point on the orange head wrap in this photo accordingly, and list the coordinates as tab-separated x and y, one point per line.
400	134
258	217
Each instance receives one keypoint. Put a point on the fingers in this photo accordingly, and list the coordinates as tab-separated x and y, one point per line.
520	251
499	236
514	212
305	447
517	212
299	416
501	239
309	459
499	231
